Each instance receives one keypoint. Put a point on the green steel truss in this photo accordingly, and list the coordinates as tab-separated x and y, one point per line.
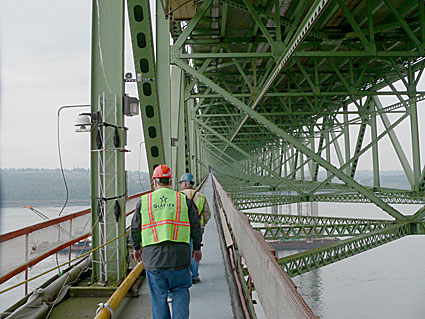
297	264
286	101
296	227
293	102
282	219
364	234
247	201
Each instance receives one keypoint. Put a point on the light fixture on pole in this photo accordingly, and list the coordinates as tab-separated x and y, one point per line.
131	105
59	149
83	123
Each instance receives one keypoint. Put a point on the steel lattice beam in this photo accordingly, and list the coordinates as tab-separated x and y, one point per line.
298	264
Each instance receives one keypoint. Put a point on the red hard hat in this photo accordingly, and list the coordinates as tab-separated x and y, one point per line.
162	171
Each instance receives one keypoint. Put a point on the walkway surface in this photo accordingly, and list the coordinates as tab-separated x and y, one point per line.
210	298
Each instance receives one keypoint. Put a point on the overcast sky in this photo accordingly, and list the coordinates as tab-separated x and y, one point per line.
45	63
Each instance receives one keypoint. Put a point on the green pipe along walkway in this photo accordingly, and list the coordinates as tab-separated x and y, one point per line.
270	104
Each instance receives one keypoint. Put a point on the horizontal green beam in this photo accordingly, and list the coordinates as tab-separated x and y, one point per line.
318	231
309	94
300	263
285	219
304	54
249	201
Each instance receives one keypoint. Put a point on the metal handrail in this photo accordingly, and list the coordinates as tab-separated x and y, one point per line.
30	229
58	266
271	283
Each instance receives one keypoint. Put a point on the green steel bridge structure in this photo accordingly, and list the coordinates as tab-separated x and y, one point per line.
282	100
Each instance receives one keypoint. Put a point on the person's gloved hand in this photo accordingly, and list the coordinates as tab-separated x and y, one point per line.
138	255
197	254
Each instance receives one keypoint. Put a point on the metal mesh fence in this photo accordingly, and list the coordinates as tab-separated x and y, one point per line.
277	293
27	246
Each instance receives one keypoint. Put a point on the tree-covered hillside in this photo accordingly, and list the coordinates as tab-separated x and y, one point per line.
29	186
34	186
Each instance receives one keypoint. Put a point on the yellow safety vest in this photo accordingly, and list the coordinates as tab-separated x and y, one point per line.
198	199
165	217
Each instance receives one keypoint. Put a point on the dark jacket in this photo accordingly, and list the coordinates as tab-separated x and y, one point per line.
167	255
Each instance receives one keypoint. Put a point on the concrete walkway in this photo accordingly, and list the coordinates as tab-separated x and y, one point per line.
210	298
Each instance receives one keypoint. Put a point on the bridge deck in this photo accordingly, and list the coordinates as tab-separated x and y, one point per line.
210	298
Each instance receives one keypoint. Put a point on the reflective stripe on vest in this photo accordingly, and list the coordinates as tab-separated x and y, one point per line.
165	217
198	199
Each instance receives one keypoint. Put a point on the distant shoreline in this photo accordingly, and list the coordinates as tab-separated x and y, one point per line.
45	187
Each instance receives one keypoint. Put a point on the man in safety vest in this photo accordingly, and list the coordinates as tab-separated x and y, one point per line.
187	182
164	223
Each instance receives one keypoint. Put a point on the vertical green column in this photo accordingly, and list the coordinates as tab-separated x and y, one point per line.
163	77
313	148
414	128
144	61
195	156
191	134
396	143
107	156
198	157
346	131
302	167
186	138
176	84
328	147
375	157
181	136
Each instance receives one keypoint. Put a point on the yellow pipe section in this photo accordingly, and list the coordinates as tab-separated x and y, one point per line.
119	294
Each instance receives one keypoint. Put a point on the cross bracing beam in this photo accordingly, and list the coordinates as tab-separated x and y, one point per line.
287	182
310	89
309	94
308	22
300	263
318	231
290	139
283	219
366	148
303	54
245	201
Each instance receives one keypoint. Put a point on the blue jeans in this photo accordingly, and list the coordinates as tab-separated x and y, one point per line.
194	266
178	283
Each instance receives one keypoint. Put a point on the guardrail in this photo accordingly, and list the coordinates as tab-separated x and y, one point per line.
277	293
28	246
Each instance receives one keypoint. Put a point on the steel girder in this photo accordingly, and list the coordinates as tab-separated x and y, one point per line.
108	191
250	201
317	231
328	68
144	61
284	219
297	264
275	97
